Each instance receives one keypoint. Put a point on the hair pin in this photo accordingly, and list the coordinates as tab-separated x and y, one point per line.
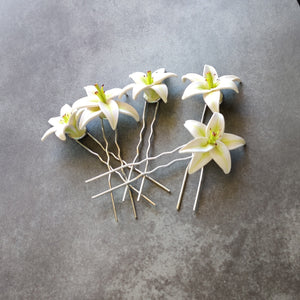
209	86
154	91
210	142
98	103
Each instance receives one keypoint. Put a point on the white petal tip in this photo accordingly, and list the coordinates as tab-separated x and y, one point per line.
191	171
185	97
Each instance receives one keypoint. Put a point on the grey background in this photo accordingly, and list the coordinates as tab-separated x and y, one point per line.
57	243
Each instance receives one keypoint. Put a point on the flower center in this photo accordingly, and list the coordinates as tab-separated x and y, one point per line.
100	93
210	80
213	137
148	79
65	118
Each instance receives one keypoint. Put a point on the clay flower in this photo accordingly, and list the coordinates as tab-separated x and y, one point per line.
101	103
66	123
150	83
210	86
210	142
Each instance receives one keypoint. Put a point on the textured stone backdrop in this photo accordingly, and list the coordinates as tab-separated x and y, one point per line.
57	243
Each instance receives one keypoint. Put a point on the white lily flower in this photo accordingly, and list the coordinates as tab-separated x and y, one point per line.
150	83
99	103
210	142
66	123
210	86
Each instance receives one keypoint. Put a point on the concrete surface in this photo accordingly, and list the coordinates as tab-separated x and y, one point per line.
57	243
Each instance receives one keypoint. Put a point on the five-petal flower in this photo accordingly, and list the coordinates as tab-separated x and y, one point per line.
210	142
210	86
150	83
66	123
101	103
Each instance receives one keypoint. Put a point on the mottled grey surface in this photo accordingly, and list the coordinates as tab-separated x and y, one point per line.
57	243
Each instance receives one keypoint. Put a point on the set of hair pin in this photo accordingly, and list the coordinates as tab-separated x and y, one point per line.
209	141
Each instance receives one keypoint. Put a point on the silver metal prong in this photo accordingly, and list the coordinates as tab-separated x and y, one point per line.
140	175
118	173
186	170
182	188
132	164
135	169
108	167
148	149
198	189
137	148
123	172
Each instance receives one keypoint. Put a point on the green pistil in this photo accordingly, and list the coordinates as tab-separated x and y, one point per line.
65	118
148	79
213	137
210	80
100	93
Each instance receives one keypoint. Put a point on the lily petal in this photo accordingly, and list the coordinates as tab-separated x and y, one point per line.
126	89
196	129
129	110
195	88
158	71
151	96
138	88
87	116
193	77
48	132
90	90
212	70
60	132
227	84
212	100
76	133
66	109
198	161
232	141
78	113
160	77
137	77
111	112
216	124
231	77
221	156
72	119
112	93
162	91
89	101
197	145
54	121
